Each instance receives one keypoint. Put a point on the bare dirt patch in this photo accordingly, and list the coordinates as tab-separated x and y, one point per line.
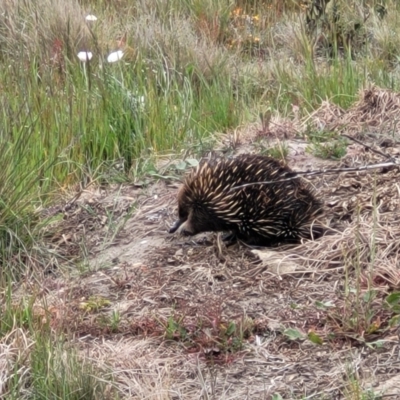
173	317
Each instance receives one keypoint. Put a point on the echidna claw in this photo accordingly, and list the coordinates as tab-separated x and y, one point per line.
175	226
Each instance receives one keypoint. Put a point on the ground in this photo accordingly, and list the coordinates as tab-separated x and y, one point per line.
185	318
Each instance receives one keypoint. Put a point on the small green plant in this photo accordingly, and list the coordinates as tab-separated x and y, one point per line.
353	389
326	145
233	334
175	329
110	323
115	320
280	151
94	304
183	165
334	150
392	303
358	316
295	334
226	336
362	315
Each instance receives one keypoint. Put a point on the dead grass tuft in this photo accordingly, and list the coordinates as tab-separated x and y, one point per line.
15	349
376	110
44	30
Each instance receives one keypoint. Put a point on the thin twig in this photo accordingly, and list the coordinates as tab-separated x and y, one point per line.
298	174
387	156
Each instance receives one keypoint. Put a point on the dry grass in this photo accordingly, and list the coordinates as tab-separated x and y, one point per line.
376	112
15	348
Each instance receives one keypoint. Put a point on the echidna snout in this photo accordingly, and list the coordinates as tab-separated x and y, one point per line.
182	227
175	226
191	221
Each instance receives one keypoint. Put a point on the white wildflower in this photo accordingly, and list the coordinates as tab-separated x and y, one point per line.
91	17
115	56
85	55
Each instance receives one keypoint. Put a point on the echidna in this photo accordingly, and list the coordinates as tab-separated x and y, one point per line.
261	214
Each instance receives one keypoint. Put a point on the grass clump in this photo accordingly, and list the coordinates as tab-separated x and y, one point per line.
280	151
212	334
22	189
54	371
57	372
327	145
38	365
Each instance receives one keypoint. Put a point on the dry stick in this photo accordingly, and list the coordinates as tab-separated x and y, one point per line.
387	156
298	174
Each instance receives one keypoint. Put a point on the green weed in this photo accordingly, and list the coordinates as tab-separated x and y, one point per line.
280	151
225	336
327	145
